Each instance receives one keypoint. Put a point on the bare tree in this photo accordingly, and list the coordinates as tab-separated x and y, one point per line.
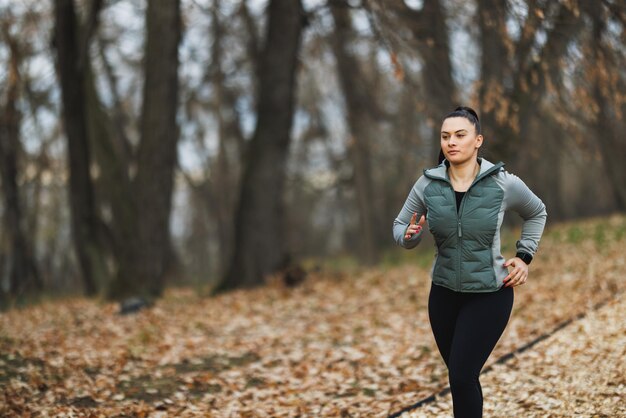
607	79
431	35
71	52
21	269
259	238
224	180
143	268
358	111
530	69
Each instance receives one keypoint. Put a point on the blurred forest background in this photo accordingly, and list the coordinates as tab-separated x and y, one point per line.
213	142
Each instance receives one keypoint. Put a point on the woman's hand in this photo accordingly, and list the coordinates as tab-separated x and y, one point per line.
413	227
518	275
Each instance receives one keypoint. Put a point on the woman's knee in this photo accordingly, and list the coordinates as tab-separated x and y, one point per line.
461	378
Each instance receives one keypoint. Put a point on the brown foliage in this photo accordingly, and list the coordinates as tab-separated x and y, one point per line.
356	346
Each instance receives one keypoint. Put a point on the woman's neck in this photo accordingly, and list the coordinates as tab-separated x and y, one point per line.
462	175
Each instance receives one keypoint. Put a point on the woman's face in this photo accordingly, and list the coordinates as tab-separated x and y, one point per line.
459	141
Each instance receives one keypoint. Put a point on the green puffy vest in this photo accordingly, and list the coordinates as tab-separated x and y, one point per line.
464	260
468	241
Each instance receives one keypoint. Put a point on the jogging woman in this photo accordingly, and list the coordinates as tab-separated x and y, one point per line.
471	296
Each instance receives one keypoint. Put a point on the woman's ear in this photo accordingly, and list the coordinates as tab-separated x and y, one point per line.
479	141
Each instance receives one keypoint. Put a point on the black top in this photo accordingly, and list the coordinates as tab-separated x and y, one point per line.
459	197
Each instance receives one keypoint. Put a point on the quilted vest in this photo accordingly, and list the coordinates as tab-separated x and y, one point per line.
465	238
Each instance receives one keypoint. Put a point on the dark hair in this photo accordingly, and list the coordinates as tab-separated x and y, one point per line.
462	112
467	113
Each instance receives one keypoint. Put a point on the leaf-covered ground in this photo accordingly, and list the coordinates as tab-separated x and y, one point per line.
579	371
340	345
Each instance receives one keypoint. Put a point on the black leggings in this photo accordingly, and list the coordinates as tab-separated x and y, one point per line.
467	327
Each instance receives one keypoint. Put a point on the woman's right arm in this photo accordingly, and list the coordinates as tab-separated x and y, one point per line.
413	204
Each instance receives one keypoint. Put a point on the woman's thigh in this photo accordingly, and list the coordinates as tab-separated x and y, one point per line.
479	325
443	308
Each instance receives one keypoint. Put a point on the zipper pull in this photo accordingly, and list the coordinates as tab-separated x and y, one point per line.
460	231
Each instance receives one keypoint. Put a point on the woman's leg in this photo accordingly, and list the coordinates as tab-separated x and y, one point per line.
443	308
479	325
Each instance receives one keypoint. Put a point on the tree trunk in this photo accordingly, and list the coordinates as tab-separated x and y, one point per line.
612	146
71	72
259	238
430	30
21	271
358	112
119	120
224	183
494	67
142	272
435	53
113	186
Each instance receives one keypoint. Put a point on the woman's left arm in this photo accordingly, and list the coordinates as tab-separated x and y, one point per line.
533	211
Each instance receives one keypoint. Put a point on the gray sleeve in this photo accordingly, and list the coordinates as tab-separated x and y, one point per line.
531	209
414	203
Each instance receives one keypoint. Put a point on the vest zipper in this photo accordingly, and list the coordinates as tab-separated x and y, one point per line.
459	216
460	235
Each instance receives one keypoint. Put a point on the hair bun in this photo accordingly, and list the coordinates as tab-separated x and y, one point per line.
468	110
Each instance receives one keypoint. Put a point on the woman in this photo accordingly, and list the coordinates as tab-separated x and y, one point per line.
471	296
